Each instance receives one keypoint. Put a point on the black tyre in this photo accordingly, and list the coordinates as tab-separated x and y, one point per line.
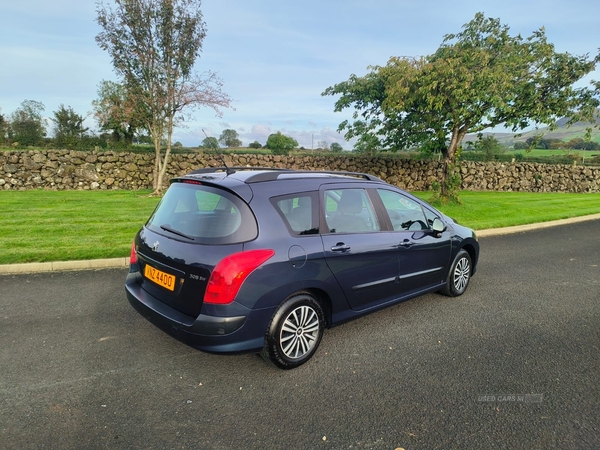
459	275
295	332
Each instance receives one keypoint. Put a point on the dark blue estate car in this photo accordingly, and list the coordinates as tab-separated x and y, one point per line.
263	260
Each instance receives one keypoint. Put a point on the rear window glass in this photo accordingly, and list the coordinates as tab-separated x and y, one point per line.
203	214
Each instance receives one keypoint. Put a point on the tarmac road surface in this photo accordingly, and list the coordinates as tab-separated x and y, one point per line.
512	364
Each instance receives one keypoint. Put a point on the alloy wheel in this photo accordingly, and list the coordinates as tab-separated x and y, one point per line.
299	332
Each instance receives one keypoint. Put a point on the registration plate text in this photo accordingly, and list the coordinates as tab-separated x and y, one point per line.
159	277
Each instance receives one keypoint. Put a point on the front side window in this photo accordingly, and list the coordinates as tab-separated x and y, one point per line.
203	214
404	213
349	211
431	216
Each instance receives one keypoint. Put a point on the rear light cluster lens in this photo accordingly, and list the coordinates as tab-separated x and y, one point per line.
133	255
229	274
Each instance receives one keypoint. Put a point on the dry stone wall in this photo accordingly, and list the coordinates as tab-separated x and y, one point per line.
62	169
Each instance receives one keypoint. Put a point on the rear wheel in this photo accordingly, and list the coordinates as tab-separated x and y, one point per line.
459	275
295	332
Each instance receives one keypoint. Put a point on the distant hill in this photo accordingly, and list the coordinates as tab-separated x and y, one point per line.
563	133
562	123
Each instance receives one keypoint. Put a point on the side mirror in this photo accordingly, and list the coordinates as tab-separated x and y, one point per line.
438	226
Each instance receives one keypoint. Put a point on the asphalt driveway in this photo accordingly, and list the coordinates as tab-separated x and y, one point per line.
512	364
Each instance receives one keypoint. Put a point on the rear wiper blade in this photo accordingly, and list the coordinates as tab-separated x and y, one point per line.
178	233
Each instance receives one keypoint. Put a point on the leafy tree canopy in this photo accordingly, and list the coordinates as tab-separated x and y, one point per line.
115	111
479	78
335	147
281	144
28	124
210	142
488	145
254	144
229	138
68	127
5	130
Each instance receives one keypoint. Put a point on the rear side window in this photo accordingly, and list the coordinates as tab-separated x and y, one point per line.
299	212
203	214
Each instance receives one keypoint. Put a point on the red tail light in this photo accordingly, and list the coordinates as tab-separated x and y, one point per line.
133	255
229	274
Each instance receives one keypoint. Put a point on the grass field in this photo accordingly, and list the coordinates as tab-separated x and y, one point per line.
39	226
542	153
484	210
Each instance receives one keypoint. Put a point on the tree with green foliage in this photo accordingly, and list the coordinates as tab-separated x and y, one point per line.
254	144
5	131
335	147
154	45
68	127
367	143
477	79
143	139
229	138
115	112
28	124
581	144
488	145
280	144
210	142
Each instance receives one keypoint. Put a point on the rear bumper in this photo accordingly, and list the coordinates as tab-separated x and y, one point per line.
213	334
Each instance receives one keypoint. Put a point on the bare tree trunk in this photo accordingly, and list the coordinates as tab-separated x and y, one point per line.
444	181
155	185
449	192
163	169
163	163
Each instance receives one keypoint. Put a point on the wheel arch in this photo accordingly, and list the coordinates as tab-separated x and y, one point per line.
325	301
470	249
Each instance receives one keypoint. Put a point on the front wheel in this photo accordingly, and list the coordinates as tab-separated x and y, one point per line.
459	275
295	332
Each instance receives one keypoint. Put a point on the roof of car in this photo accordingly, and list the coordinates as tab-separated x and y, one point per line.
250	175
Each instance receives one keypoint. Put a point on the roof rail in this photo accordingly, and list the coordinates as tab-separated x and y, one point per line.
366	176
273	173
271	176
234	169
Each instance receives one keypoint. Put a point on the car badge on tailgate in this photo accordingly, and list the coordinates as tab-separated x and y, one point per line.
155	246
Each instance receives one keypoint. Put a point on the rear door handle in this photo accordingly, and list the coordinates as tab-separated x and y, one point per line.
340	247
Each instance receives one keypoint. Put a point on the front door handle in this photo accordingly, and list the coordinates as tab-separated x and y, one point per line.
405	243
340	247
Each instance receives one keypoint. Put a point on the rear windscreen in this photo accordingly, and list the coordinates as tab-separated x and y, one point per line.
203	214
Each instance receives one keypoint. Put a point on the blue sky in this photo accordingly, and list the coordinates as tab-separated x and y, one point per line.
275	57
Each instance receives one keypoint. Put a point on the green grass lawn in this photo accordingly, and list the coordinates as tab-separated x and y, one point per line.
484	210
39	226
555	152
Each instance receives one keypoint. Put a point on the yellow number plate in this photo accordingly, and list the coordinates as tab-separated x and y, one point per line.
162	279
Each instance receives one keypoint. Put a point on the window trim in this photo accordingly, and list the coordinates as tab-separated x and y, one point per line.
334	187
314	205
408	197
241	235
